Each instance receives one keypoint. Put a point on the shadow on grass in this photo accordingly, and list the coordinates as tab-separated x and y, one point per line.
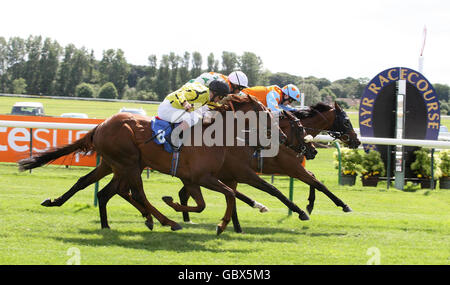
187	239
150	241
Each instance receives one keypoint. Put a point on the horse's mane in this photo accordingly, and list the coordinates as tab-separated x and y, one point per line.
312	110
235	100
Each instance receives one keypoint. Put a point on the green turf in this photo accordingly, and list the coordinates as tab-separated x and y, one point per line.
94	109
406	227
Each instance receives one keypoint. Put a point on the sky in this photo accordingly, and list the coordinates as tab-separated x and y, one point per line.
321	38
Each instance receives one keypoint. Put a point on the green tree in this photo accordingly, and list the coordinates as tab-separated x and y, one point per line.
327	96
163	78
114	68
185	74
442	91
251	65
337	89
136	72
213	64
229	62
19	86
48	66
197	62
63	74
33	49
84	90
174	61
312	95
282	79
15	58
3	65
108	91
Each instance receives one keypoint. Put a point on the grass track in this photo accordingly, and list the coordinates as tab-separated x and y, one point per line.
407	227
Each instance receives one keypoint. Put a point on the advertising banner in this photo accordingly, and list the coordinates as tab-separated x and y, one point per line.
18	143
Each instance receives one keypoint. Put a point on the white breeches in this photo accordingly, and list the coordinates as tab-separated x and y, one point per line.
171	114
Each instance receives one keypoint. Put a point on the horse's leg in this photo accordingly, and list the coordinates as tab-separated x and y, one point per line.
137	191
103	197
308	177
184	197
311	199
192	190
249	201
234	217
215	184
251	178
125	194
95	175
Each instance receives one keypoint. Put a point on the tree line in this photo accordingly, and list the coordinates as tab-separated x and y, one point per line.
42	66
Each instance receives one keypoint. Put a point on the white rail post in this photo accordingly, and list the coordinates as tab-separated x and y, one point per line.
400	134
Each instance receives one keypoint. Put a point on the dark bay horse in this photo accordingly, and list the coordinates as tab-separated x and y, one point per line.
320	117
127	157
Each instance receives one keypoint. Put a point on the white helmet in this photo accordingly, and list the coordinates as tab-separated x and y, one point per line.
238	78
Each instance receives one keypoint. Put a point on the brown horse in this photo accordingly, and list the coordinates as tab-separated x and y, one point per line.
320	117
120	141
237	167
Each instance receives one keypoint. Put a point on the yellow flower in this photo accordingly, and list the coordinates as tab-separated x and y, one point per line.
367	176
419	175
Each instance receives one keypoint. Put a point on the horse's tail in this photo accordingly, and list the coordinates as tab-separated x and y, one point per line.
84	144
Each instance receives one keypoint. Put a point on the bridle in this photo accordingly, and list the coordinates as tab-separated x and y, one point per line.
298	130
337	125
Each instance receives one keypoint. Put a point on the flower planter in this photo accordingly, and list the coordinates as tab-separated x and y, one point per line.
426	184
444	183
371	181
348	180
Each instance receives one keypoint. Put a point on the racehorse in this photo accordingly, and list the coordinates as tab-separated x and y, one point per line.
315	119
121	142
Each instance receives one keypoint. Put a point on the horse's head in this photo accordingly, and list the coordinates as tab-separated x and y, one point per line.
250	107
297	138
323	117
343	129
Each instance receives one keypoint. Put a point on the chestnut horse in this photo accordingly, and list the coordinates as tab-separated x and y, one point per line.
315	119
120	141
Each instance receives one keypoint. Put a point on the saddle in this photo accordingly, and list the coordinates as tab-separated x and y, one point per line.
162	131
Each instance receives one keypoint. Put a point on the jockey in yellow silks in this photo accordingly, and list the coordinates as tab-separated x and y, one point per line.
188	104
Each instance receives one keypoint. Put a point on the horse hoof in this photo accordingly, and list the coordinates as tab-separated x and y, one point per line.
149	225
303	216
190	222
176	227
167	199
219	230
309	208
347	209
263	210
46	203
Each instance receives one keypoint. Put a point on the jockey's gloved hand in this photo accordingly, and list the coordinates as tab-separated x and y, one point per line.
187	106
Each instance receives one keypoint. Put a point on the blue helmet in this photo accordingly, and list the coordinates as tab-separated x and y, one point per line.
292	91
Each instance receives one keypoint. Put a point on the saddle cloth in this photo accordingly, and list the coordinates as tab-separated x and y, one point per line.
162	130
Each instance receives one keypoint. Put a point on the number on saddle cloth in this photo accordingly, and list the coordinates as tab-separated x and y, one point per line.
163	130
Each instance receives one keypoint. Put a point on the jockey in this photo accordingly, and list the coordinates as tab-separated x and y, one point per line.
236	80
274	97
189	103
